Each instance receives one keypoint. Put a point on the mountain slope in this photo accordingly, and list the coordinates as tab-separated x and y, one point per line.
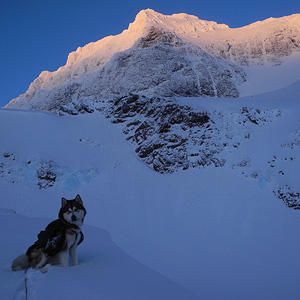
177	55
219	231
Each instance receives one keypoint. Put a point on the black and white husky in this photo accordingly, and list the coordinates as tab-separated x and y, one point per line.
60	238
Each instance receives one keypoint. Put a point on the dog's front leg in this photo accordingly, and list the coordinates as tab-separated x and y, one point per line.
73	254
42	262
63	258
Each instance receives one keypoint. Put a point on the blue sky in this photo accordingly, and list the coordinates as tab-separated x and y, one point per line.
38	35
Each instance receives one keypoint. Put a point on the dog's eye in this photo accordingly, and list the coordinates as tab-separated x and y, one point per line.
77	210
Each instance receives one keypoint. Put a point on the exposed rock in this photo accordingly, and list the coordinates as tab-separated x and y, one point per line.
76	107
289	196
157	35
46	174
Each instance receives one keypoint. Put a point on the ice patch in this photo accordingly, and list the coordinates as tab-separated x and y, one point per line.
263	182
73	181
71	184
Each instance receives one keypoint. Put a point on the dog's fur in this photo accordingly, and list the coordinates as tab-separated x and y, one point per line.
60	238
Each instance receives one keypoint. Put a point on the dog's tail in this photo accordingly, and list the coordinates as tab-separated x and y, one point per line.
20	263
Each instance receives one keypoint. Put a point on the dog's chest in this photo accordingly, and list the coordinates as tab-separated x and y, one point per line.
72	238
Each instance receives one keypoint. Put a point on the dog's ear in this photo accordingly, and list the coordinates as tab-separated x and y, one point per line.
63	201
78	199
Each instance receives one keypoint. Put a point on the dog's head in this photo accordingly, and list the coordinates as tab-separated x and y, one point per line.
72	211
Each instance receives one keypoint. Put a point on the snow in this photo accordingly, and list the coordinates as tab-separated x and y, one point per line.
267	78
105	271
217	233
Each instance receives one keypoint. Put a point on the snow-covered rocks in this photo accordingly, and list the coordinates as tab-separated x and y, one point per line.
259	48
77	107
169	136
289	196
42	174
157	35
165	70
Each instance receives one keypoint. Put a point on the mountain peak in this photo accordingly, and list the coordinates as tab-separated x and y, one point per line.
181	23
148	13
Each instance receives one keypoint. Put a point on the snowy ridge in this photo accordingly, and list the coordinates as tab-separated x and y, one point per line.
206	55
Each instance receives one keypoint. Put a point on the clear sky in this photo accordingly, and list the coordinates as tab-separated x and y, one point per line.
38	35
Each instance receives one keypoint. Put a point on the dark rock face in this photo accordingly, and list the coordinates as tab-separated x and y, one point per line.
169	136
289	196
46	174
163	131
157	35
76	108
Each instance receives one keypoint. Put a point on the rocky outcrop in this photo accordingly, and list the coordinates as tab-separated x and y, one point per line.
289	195
168	136
157	35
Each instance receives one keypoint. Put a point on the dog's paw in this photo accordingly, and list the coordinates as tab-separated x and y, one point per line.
46	268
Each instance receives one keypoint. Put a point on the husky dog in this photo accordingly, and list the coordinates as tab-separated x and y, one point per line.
60	238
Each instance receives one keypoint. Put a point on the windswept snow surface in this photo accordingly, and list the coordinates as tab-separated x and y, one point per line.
105	271
220	233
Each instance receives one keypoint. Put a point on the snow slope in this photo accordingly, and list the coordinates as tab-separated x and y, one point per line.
219	232
105	271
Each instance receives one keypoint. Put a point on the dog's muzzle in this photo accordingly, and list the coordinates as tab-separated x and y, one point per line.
74	218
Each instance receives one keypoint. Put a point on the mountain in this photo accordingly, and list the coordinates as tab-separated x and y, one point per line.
177	55
224	228
199	194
